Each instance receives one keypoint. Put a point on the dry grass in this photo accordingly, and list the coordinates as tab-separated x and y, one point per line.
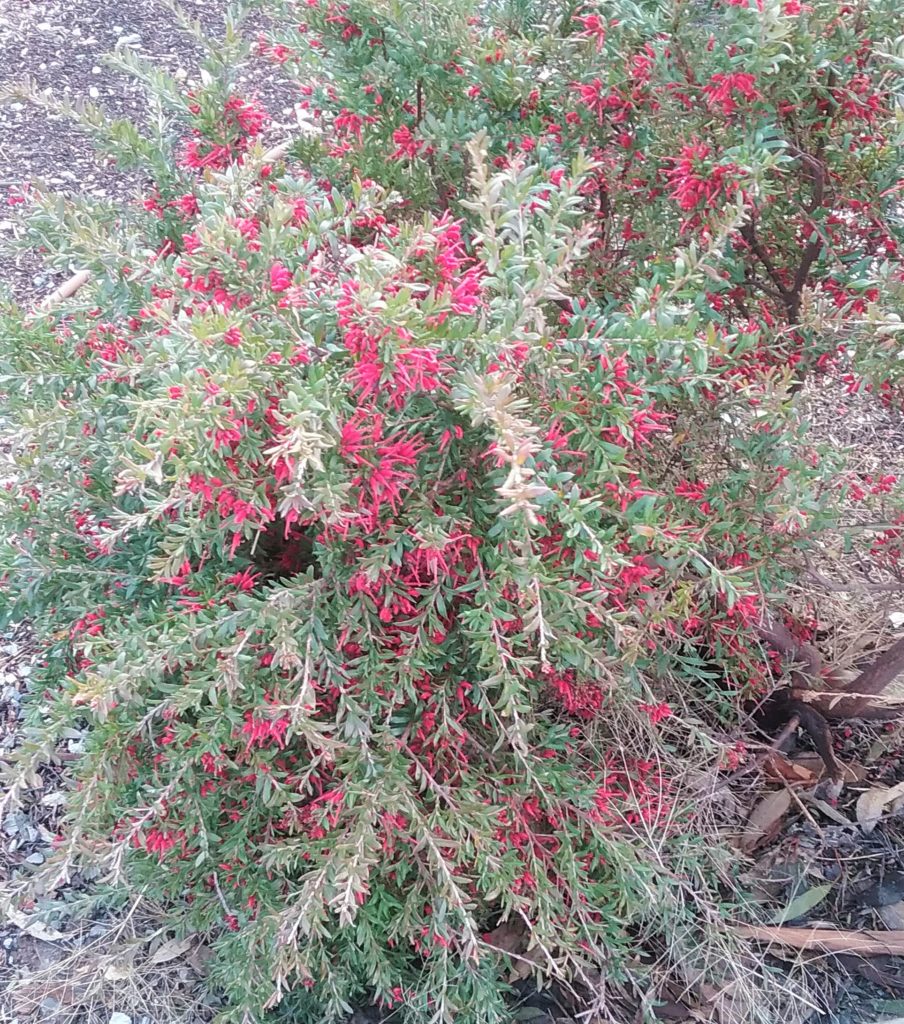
135	967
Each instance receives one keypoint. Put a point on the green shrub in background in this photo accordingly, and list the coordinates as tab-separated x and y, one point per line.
399	512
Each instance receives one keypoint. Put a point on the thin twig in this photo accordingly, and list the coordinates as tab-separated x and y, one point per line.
220	896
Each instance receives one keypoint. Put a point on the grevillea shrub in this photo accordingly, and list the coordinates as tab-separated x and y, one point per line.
397	514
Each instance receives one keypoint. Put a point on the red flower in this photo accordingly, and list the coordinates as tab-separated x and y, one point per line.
392	470
594	28
721	89
187	204
280	277
408	145
250	117
656	712
593	96
262	732
695	181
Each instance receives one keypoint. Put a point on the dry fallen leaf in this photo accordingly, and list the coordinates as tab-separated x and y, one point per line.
198	958
765	819
778	768
512	936
871	804
36	929
119	971
172	949
720	1005
829	811
853	772
29	994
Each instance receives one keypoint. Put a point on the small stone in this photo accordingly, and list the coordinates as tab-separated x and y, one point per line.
6	225
133	39
94	92
44	26
96	70
120	1018
35	858
24	671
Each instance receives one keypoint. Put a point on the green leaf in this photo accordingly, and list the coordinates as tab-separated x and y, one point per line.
802	903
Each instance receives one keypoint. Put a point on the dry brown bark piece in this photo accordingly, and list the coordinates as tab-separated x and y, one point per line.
827	940
837	699
873	680
778	768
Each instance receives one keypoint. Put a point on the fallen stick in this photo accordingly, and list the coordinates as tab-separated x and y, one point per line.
277	152
827	940
69	287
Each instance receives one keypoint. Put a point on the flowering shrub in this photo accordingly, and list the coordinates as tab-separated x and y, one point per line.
399	513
